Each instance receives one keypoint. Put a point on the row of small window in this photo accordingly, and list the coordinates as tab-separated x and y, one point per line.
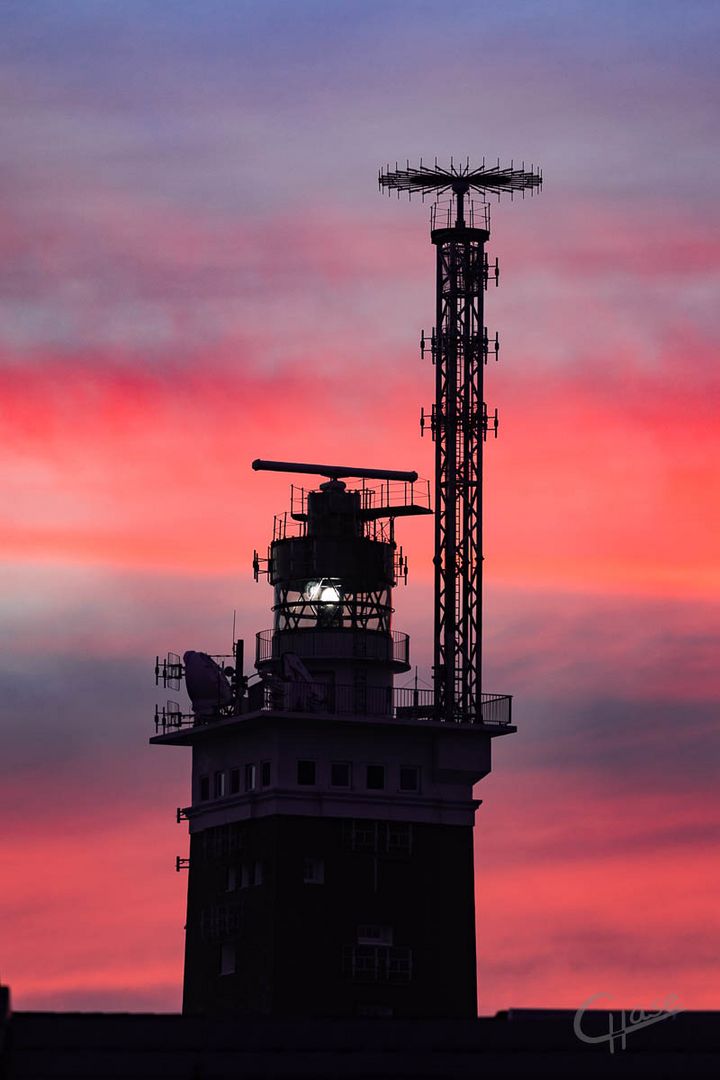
394	838
228	782
341	775
362	963
221	921
358	834
249	874
377	963
252	874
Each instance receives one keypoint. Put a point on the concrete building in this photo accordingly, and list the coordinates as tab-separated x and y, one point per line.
331	821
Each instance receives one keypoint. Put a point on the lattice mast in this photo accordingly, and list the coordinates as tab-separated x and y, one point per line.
459	419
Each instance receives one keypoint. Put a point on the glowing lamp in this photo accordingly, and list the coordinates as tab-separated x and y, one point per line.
323	592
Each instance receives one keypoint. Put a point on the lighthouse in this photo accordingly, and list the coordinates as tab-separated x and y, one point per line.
331	816
331	821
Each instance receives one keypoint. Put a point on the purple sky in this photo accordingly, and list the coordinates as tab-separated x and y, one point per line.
198	270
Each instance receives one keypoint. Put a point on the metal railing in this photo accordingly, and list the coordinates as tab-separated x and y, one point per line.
376	496
280	695
334	644
411	704
399	703
443	214
496	709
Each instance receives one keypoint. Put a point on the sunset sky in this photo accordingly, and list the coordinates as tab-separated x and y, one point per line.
197	270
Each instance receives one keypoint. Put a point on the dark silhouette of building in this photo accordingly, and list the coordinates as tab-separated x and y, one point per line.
515	1044
331	853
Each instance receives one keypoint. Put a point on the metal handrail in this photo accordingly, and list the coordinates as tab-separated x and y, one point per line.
399	703
377	495
402	703
443	214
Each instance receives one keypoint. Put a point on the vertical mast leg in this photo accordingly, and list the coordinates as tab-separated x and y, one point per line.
459	431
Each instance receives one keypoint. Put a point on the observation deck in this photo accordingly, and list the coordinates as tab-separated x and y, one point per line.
318	699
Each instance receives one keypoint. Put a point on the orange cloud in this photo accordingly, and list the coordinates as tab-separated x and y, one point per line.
596	484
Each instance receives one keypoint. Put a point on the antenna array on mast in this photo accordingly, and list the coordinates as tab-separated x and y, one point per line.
459	419
425	179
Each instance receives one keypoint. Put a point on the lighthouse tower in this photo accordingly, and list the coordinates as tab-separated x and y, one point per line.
331	858
331	818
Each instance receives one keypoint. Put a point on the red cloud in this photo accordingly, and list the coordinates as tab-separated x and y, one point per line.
602	479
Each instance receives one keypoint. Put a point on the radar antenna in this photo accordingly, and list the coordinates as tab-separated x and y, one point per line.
459	420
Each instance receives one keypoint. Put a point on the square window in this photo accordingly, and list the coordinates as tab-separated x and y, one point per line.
409	779
371	934
376	777
249	777
265	774
231	879
219	786
399	838
368	962
259	873
363	836
234	781
399	965
227	958
306	772
204	788
340	774
313	871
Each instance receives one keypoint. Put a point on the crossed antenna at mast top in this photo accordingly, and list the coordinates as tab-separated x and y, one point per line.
460	179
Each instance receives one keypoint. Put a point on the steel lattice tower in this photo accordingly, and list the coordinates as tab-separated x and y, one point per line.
459	420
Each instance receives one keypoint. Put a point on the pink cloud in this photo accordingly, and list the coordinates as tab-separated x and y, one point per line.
596	483
122	465
113	920
575	897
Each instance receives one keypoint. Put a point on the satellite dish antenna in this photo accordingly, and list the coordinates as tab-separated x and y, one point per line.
207	686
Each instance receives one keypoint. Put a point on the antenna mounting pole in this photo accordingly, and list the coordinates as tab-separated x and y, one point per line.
459	420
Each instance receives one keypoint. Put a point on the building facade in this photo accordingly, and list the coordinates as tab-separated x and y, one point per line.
331	818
